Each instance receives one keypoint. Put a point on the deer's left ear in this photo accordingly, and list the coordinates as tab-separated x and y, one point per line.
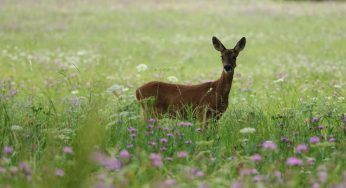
240	45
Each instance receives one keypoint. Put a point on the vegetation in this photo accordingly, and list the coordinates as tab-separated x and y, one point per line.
69	69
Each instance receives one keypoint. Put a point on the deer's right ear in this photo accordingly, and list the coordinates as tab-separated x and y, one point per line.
218	45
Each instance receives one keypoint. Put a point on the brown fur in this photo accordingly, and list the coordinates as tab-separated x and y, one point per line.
207	100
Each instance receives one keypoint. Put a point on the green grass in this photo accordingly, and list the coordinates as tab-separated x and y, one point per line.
58	59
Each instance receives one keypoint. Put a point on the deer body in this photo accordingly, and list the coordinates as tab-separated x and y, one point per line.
207	100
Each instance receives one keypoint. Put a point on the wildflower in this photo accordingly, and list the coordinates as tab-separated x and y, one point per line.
169	159
13	169
25	168
247	130
129	145
170	135
163	148
150	126
16	128
322	176
124	154
182	154
156	160
310	161
293	161
284	139
163	140
188	142
152	120
68	150
199	174
257	157
248	171
141	67
199	130
132	130
331	138
315	119
2	170
170	182
112	164
237	184
301	148
270	145
8	150
258	178
184	124
59	172
315	185
314	140
152	143
172	79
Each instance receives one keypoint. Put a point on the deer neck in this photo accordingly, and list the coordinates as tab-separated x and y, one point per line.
224	84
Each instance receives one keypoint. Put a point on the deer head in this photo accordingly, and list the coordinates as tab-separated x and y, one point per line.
229	56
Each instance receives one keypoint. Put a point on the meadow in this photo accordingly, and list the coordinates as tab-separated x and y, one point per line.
69	71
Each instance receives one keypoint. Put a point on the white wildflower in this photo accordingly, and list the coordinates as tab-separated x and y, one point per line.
337	86
247	130
279	80
172	79
74	92
141	67
118	89
16	128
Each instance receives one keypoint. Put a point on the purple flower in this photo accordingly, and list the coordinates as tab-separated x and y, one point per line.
184	124
150	126
170	135
270	145
315	185
163	148
182	154
293	161
68	150
284	139
315	119
314	140
156	160
301	148
152	143
129	145
322	176
237	184
23	166
152	120
258	178
248	171
169	182
124	154
59	172
256	157
169	159
310	161
163	140
132	130
199	174
331	138
8	149
2	170
112	164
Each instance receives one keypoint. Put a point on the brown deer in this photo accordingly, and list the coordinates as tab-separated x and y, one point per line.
207	100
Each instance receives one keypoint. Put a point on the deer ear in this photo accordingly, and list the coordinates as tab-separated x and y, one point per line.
218	45
240	45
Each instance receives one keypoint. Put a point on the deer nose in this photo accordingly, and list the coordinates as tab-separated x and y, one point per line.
227	67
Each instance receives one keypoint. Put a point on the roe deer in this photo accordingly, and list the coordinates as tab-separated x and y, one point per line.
207	100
